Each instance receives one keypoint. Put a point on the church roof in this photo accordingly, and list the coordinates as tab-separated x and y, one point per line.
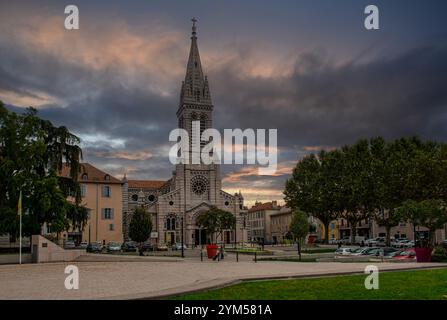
195	88
146	184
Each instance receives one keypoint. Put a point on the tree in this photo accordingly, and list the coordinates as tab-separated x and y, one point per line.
140	227
368	179
215	221
404	169
431	214
32	152
356	185
299	228
314	187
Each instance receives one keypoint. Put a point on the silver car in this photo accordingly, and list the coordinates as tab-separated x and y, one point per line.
69	244
113	247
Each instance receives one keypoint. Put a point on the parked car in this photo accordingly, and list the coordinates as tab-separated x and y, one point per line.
345	240
113	247
94	247
178	246
372	241
409	244
377	242
408	254
363	251
83	245
333	241
387	252
162	248
129	246
147	246
69	244
343	251
400	243
359	251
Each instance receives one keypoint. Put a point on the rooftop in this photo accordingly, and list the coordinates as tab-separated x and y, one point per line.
89	173
146	184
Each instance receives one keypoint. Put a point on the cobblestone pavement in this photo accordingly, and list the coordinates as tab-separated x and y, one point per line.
149	279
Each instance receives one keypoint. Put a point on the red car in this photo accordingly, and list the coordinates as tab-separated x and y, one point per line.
408	254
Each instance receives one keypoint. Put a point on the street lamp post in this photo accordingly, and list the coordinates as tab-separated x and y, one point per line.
183	252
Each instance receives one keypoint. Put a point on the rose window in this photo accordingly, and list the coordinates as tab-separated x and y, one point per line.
199	185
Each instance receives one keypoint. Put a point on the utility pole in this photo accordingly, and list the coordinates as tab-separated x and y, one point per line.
183	252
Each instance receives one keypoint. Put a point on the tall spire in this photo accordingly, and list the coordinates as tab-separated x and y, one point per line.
195	88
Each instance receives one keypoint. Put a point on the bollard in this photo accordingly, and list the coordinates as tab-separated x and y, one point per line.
201	255
256	257
237	256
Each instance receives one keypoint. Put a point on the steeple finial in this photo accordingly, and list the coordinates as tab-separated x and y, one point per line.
194	28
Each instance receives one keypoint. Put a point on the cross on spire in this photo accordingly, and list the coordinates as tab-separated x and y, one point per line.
194	28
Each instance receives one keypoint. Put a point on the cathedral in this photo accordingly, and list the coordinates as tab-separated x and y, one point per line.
176	203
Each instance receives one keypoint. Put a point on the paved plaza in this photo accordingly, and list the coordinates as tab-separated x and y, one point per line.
152	278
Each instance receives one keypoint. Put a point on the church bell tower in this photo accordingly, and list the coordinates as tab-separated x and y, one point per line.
201	183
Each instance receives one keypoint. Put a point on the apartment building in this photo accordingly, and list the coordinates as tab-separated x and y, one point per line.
102	195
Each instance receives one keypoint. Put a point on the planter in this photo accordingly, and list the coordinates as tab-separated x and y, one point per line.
423	254
211	250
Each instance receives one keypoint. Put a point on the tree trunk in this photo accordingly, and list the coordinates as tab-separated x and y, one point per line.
299	248
353	232
326	232
388	235
140	249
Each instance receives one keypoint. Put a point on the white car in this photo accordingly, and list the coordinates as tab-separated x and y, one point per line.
69	244
409	244
83	245
372	241
343	251
113	247
400	243
360	251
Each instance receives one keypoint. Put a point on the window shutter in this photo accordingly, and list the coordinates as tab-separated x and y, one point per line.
103	214
112	213
110	192
103	191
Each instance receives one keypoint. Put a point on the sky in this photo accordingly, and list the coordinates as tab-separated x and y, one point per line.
307	68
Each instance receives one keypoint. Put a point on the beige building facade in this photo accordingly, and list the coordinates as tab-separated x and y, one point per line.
102	195
280	225
259	221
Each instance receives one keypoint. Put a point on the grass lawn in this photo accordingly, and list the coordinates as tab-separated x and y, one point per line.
400	285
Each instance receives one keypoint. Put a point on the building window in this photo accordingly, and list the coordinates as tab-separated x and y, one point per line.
83	190
84	176
134	197
151	198
111	227
107	213
170	224
106	191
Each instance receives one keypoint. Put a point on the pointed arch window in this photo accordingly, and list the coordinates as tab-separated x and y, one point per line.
203	120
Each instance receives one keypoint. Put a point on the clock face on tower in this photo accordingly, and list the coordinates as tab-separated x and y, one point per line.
199	185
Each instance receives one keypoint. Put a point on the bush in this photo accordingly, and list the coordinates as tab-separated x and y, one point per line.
439	254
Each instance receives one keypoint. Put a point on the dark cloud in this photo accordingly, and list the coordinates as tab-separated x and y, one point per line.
320	102
324	104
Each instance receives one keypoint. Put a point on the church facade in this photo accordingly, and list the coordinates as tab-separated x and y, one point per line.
176	203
